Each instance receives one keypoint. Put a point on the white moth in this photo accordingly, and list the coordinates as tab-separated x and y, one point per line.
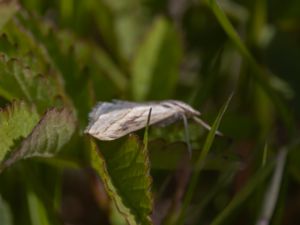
113	120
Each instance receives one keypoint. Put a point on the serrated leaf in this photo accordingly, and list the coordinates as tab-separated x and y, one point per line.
64	48
125	173
16	121
7	10
90	65
157	63
47	137
27	70
18	81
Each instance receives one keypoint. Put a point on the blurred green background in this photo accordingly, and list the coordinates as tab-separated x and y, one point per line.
75	53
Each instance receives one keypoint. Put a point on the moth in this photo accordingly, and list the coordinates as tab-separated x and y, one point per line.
112	120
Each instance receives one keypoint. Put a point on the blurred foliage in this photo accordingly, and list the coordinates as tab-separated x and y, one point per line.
59	58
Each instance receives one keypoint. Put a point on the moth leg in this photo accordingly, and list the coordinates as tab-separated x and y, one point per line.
205	125
187	134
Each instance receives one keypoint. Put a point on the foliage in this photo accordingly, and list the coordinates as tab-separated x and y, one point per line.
59	58
125	172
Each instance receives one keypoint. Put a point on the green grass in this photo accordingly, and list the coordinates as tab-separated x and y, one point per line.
59	58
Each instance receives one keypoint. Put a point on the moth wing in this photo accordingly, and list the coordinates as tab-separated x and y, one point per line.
122	119
104	108
126	103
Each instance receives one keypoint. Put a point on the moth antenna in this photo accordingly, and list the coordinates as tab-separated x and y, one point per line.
187	134
205	125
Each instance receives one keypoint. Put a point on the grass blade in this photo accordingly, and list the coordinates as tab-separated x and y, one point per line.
200	162
272	192
156	62
259	74
5	213
256	180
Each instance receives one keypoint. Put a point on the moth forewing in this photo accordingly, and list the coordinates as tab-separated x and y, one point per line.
109	121
116	121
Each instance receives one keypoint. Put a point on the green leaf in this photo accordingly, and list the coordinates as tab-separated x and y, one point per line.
25	62
126	176
104	22
70	54
37	210
157	63
129	23
16	121
18	81
90	66
5	213
47	137
7	10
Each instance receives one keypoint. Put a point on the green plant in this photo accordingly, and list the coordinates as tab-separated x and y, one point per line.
59	58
